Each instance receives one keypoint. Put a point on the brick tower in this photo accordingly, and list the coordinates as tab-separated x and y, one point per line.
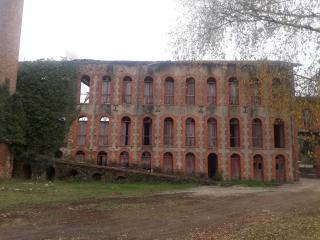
10	29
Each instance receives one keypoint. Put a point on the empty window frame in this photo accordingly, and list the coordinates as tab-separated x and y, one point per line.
190	163
212	91
233	91
168	132
85	89
125	131
169	91
82	130
147	131
279	134
146	160
190	91
106	90
102	158
124	159
190	132
168	162
80	156
212	132
148	90
257	133
103	134
127	90
234	133
256	96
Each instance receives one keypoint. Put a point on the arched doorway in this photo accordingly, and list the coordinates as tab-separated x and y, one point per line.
258	167
235	167
50	173
27	171
280	168
168	162
102	158
212	165
190	163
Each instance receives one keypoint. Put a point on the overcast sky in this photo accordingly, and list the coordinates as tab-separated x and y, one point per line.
97	29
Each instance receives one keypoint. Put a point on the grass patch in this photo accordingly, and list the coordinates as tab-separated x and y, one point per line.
15	194
298	228
250	183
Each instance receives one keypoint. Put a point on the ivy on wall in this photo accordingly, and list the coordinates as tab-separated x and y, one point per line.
36	119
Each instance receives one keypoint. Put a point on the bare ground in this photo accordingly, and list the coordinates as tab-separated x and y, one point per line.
199	213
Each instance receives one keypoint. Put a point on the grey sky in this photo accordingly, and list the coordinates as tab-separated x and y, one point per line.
97	29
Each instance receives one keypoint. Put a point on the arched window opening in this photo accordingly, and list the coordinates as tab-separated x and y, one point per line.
190	91
80	156
168	131
146	161
190	132
168	162
169	91
127	90
235	167
258	167
190	163
256	96
102	158
104	126
124	159
125	131
279	135
106	90
233	91
82	130
212	91
280	168
85	89
148	90
234	133
257	133
212	132
147	131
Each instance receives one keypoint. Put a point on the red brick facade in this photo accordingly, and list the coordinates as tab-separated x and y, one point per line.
10	27
179	112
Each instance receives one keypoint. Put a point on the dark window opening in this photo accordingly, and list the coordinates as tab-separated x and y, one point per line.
147	131
212	132
279	141
82	130
127	91
27	171
190	91
234	133
125	131
148	90
257	133
168	131
190	132
102	158
80	156
212	91
106	90
50	173
169	91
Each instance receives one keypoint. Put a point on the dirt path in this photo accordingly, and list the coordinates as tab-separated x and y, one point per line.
200	213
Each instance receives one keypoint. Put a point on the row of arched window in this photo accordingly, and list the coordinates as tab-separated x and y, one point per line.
190	132
190	163
169	91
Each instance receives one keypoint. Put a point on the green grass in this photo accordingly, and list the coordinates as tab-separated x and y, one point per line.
15	194
297	228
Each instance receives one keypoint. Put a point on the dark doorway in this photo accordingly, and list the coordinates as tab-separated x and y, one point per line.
212	165
27	171
258	167
73	173
50	173
280	168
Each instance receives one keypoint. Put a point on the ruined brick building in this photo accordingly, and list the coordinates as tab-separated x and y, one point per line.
200	118
10	29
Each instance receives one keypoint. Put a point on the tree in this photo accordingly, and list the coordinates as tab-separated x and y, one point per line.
286	30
